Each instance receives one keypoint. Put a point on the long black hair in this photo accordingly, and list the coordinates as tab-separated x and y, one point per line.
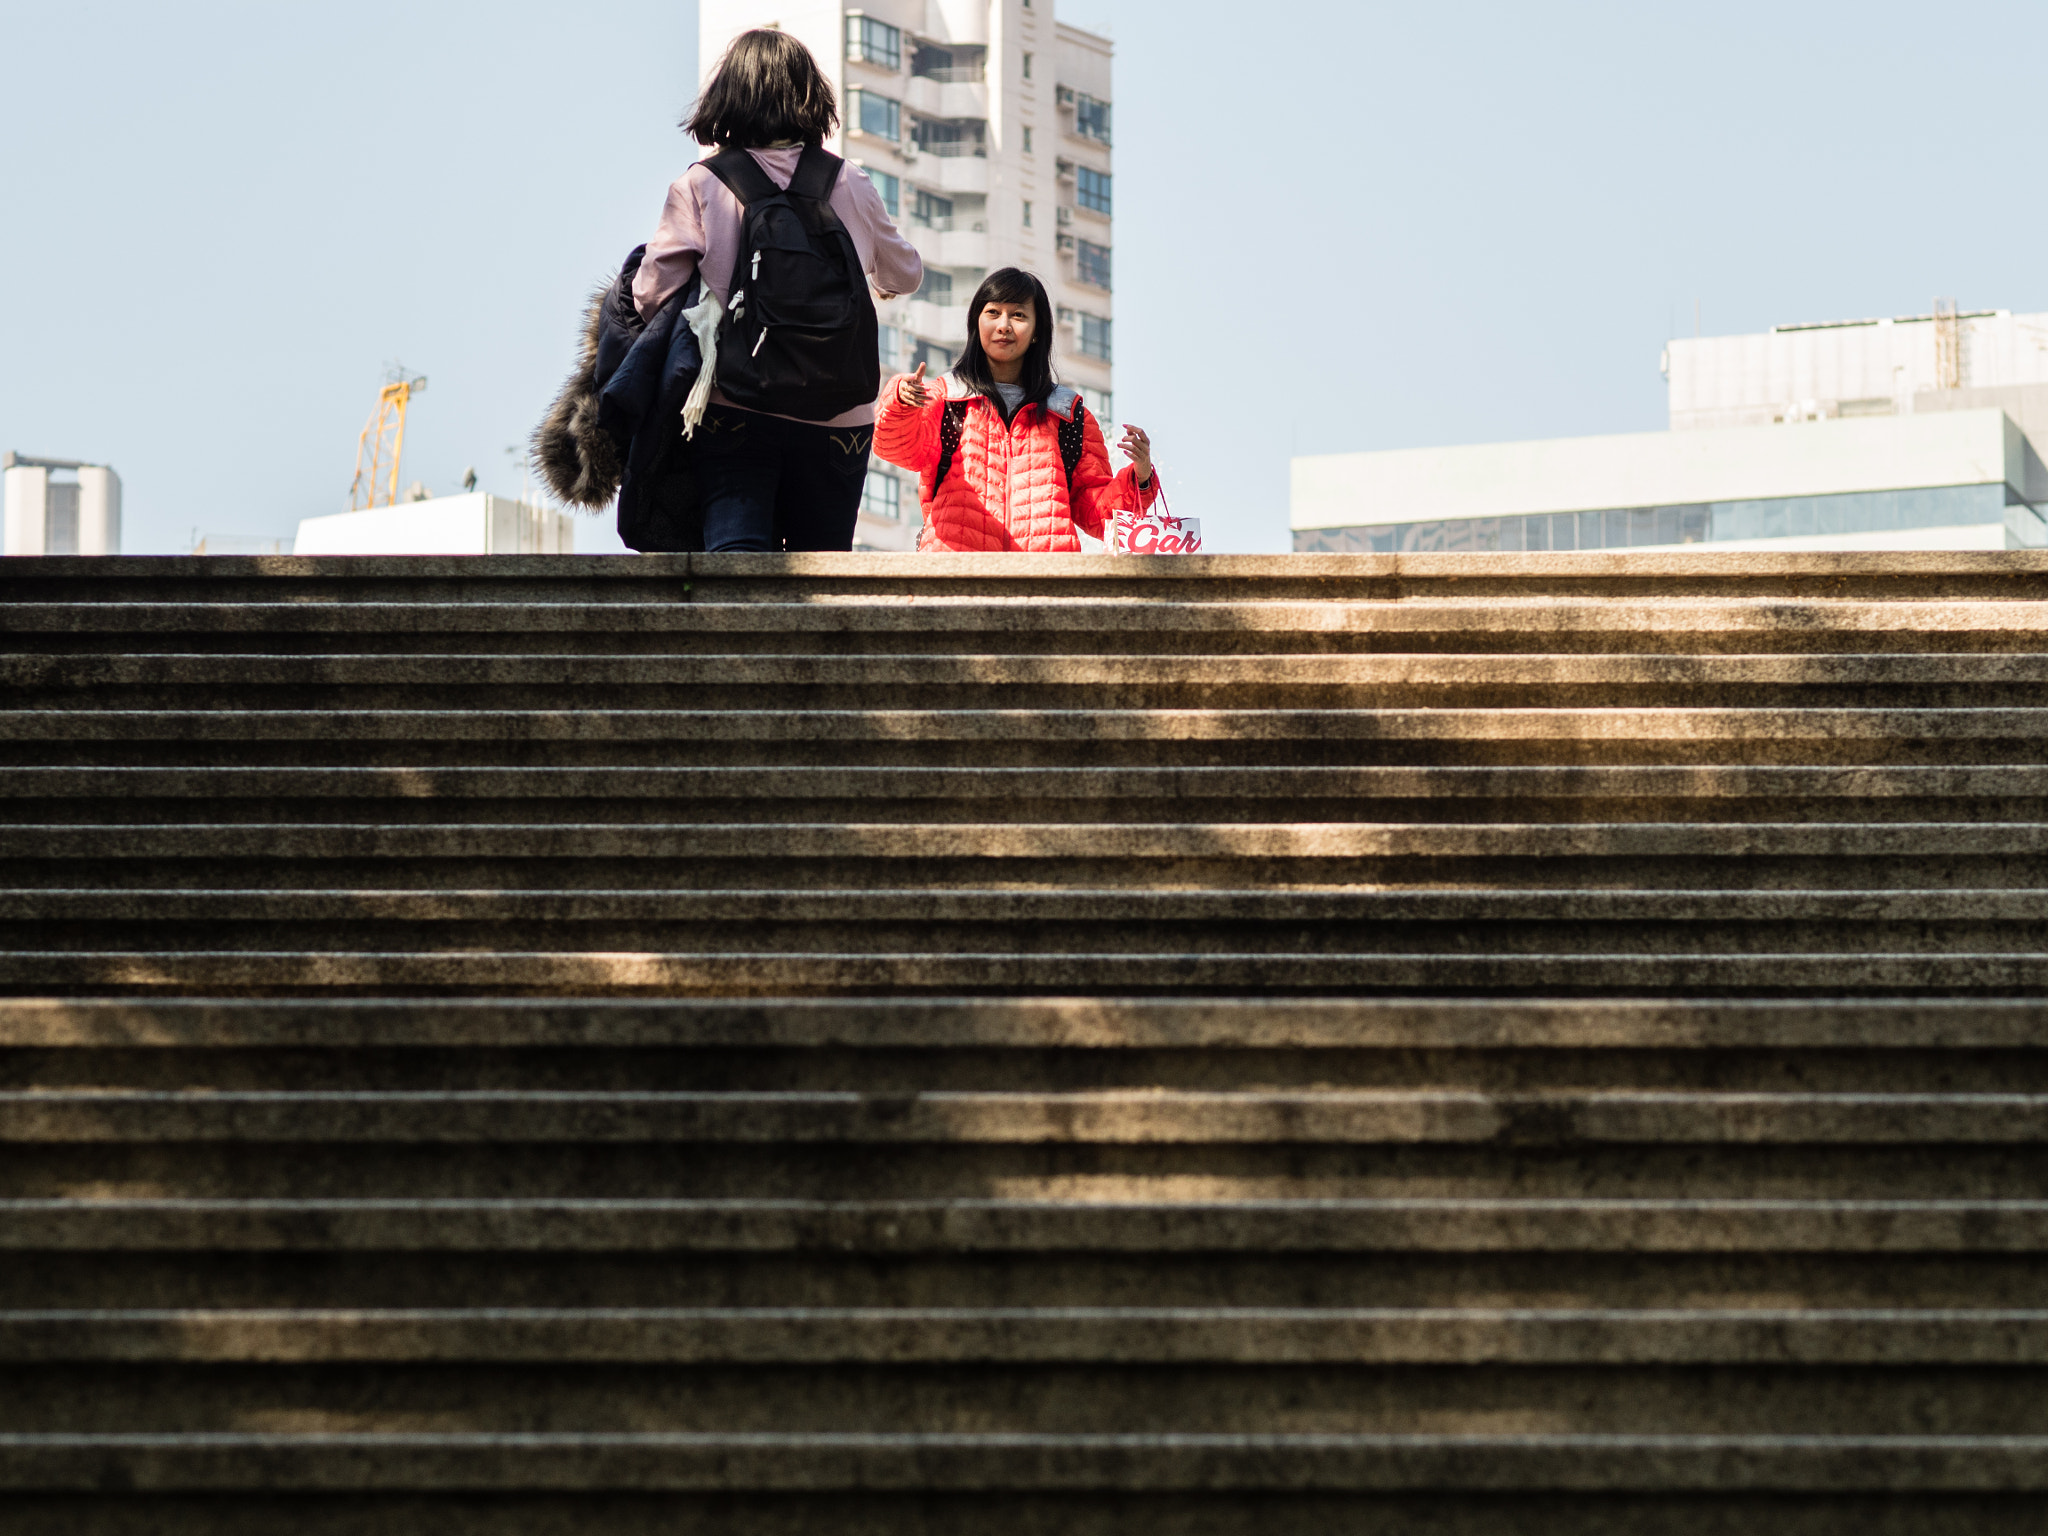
766	90
1010	285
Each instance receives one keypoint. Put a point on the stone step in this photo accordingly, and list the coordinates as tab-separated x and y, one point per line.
1967	792
777	974
1001	1396
124	681
1023	1335
1387	1117
878	1228
357	1277
977	625
1811	574
1035	843
1962	727
1232	1028
241	671
1116	920
1019	1463
1287	859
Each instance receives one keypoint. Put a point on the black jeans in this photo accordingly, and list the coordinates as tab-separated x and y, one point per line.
771	484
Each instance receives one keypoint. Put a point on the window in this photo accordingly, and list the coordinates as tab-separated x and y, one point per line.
1102	404
1094	336
887	340
874	41
937	287
1091	263
1091	189
949	66
882	497
881	116
1027	141
890	188
1027	213
936	359
932	212
1091	118
948	138
1027	66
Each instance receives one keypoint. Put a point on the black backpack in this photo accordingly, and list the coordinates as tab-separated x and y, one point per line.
953	423
799	334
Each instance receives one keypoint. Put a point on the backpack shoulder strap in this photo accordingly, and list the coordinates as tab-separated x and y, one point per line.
742	175
951	426
817	173
1073	439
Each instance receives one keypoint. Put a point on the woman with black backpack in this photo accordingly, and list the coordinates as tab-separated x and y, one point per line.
788	238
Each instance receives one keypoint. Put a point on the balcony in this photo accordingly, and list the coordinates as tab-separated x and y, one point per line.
961	175
946	98
948	246
944	323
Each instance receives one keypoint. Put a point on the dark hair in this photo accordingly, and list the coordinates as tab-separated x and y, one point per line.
1010	285
767	89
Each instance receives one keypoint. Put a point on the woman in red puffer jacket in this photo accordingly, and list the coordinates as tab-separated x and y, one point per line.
1004	482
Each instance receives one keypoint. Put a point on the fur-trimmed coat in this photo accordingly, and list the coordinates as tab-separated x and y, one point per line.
616	426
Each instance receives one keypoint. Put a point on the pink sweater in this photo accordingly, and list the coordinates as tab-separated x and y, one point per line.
700	223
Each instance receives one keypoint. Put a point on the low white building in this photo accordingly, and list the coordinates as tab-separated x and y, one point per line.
60	507
473	524
1925	432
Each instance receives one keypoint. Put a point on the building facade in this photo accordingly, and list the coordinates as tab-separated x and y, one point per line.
60	507
475	523
1920	432
987	127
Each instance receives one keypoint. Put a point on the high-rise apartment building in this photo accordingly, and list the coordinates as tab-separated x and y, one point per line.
986	126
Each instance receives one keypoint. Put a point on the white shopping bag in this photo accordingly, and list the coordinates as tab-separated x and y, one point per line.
1155	532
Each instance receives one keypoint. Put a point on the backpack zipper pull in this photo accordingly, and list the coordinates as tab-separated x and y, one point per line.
757	342
755	275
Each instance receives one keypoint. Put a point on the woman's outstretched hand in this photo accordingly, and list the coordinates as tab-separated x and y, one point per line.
1135	443
911	391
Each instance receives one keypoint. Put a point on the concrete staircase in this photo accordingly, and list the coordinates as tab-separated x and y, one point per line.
1011	1045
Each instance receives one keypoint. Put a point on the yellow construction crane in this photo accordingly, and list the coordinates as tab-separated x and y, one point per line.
383	440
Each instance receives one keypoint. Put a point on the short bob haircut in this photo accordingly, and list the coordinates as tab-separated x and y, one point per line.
766	90
1010	285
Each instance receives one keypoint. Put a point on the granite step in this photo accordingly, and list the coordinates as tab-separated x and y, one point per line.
1353	1336
1029	1463
1000	1396
1167	1508
779	974
972	625
1110	1117
242	681
873	1228
1072	849
1229	1029
2010	792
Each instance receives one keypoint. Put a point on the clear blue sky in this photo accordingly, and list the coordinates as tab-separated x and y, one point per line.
1339	225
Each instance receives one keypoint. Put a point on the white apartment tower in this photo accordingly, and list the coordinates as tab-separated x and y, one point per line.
48	515
986	126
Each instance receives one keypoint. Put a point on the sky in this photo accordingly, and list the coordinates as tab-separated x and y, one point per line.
1340	226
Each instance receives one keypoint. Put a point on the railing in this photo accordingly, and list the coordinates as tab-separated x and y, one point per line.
958	74
958	149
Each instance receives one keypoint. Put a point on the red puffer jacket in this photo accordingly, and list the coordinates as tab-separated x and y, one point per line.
1006	488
